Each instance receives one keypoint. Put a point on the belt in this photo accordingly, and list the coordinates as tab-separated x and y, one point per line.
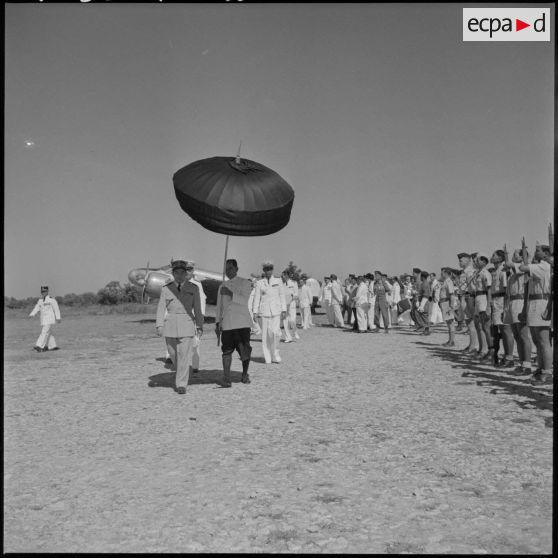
539	297
497	295
468	294
479	293
444	299
517	297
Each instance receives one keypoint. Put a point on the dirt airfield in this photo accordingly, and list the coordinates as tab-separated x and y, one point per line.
367	443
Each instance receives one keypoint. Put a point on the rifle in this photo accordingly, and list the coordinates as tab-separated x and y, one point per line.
523	314
547	314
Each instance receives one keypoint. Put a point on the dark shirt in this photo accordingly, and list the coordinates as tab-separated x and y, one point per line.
424	290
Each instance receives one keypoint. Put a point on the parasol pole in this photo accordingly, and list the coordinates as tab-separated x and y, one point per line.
225	260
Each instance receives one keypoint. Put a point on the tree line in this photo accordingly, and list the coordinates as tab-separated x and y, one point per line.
112	293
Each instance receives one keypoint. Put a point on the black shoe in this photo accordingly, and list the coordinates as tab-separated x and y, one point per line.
520	371
195	370
226	383
55	349
180	390
506	364
38	349
541	378
245	378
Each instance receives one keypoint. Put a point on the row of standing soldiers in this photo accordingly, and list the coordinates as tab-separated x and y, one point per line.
511	304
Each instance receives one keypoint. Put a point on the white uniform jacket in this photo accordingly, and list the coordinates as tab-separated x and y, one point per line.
179	313
269	298
361	296
233	312
290	290
48	307
336	293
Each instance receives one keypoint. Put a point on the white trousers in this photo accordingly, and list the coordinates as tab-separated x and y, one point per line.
329	311
370	314
289	323
362	316
271	336
337	315
195	354
306	313
46	339
179	349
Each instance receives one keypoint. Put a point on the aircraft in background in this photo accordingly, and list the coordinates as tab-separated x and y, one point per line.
151	281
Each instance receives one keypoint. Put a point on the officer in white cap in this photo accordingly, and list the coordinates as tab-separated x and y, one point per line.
269	304
180	319
50	314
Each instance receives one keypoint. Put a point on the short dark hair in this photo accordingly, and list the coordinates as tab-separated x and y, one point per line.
483	258
416	270
501	254
232	261
424	274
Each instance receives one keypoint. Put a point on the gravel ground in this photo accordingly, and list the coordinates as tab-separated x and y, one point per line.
366	443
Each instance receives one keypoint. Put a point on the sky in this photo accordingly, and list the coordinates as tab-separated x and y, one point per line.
404	145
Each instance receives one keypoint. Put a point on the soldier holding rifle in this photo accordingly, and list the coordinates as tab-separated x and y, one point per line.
538	295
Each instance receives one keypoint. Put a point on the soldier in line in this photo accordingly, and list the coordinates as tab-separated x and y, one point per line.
424	295
233	321
448	302
466	290
179	319
540	280
483	304
514	315
499	294
50	315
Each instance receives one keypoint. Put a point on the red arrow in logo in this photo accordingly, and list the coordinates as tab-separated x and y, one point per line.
519	25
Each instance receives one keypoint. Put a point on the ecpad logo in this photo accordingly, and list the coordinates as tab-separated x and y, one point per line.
506	24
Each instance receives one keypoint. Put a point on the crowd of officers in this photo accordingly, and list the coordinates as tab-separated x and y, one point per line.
496	301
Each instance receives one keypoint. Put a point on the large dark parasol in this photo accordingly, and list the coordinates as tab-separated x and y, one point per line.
234	196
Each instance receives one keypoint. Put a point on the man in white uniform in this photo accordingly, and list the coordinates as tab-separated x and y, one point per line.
270	306
233	321
325	300
336	302
179	319
305	300
50	314
290	292
361	304
197	341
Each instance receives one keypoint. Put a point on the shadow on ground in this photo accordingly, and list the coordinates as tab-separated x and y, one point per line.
166	379
500	380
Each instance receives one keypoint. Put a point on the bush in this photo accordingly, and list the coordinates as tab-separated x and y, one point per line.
112	293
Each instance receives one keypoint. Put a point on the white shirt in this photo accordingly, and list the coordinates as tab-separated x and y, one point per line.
232	312
269	298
